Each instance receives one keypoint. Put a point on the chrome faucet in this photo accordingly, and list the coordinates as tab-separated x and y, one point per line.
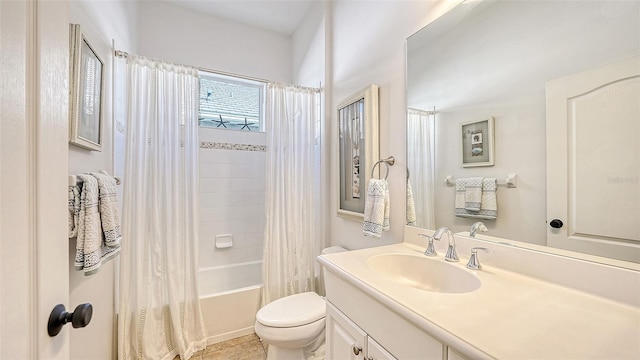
451	250
475	227
431	250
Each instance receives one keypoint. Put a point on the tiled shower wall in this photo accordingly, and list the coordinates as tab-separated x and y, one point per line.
231	195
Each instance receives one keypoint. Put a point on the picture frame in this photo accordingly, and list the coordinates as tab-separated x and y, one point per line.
477	139
358	150
86	92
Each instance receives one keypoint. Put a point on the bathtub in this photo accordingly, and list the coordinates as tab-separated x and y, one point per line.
230	299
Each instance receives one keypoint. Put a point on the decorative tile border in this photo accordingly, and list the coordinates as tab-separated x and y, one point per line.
229	146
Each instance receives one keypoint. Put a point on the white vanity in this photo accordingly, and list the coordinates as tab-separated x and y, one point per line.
523	304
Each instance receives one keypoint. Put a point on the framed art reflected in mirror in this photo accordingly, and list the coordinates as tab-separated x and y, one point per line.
477	143
86	92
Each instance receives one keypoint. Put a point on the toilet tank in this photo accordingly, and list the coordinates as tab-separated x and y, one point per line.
333	249
320	278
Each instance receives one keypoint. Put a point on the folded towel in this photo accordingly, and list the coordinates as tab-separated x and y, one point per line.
488	205
411	206
91	249
376	208
472	193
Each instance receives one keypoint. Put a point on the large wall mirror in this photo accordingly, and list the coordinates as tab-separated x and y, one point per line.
561	81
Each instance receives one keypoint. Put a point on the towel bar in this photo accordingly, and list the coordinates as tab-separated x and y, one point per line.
73	180
511	181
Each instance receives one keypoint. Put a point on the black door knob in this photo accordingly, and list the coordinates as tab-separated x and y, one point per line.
556	223
79	318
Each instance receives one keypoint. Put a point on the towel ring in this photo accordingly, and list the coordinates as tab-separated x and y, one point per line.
388	161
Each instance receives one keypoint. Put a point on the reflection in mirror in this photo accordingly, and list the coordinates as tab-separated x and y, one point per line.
420	180
358	149
500	60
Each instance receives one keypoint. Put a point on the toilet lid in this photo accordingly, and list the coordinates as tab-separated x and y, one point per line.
294	310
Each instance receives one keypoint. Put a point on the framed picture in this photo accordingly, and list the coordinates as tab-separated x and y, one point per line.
86	92
358	149
477	143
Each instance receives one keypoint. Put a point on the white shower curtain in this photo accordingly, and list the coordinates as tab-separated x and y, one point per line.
159	313
420	142
289	251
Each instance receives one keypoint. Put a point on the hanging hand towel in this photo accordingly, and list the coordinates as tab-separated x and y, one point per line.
472	193
411	206
488	206
460	192
89	240
386	226
376	208
91	250
109	209
74	210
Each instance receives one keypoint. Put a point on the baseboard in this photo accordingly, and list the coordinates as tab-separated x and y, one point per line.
230	335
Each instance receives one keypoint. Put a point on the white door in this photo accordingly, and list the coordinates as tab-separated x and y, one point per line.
34	267
593	161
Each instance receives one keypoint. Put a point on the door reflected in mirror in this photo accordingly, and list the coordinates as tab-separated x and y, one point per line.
488	59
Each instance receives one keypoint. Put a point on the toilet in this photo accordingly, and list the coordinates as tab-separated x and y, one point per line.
293	326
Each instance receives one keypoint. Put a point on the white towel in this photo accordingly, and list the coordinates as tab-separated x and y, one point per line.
488	206
376	208
411	206
74	210
472	193
109	209
91	249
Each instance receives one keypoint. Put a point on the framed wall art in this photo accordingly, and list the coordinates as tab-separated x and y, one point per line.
86	92
358	149
477	143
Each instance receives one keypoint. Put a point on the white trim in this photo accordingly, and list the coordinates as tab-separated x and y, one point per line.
230	335
31	97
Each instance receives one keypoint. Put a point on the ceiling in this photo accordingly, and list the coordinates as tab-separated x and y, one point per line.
281	16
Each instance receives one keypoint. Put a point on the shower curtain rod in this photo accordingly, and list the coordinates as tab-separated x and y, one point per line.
124	54
429	112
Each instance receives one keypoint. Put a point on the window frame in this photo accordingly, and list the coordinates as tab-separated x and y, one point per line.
236	80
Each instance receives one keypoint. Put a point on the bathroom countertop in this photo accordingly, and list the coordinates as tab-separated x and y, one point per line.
510	316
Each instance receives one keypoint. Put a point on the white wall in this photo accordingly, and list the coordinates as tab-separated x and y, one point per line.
368	46
231	198
102	21
308	48
309	61
173	33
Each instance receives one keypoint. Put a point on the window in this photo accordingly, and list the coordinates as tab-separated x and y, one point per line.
233	103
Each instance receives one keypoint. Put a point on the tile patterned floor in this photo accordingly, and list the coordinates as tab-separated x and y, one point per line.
247	347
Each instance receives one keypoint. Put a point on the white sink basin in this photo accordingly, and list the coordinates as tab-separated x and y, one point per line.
425	273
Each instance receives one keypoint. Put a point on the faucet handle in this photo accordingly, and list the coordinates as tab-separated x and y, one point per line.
431	249
474	261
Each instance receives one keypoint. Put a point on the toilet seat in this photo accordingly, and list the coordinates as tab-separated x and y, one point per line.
292	311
